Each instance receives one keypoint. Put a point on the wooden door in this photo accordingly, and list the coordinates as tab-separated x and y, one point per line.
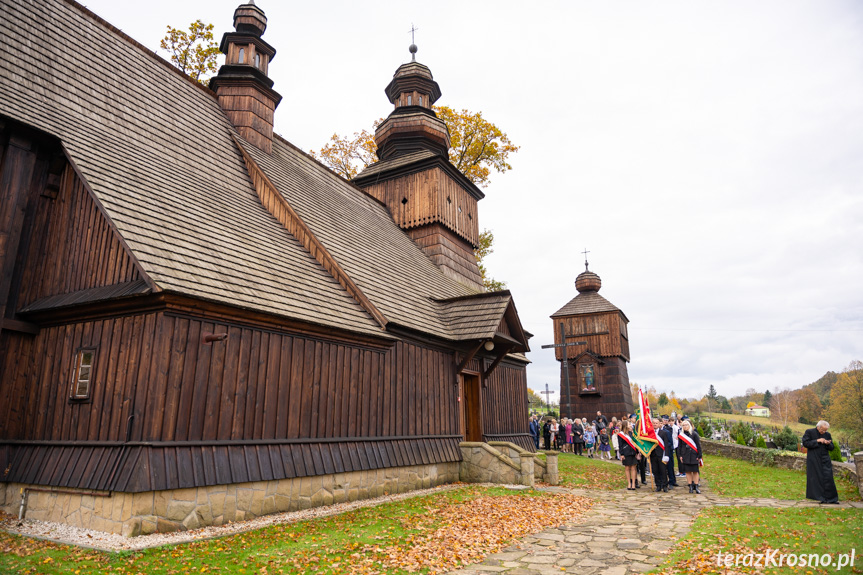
471	410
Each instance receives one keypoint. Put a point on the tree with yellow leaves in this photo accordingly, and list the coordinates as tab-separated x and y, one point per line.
477	146
846	400
486	240
193	52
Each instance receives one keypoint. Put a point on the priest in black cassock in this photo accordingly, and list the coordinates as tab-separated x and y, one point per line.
819	469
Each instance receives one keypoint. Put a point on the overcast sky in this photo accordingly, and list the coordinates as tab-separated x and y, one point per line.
709	155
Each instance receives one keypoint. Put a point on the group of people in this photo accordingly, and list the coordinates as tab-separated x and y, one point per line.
678	440
575	435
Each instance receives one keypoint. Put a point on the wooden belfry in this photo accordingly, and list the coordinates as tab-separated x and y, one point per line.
593	376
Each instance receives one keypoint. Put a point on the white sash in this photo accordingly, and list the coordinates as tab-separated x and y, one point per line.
688	441
629	441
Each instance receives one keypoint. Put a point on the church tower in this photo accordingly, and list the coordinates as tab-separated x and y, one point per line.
593	375
427	196
244	90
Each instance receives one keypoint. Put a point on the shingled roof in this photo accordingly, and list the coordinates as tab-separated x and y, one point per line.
587	302
162	161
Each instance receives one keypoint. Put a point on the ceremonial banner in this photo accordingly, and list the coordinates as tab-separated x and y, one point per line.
645	437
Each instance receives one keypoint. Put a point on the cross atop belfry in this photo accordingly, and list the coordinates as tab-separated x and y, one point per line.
413	47
585	252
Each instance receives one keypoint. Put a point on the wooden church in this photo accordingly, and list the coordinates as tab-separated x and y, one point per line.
592	345
200	323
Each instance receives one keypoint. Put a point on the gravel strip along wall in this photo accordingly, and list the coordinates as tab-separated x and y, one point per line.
133	514
91	539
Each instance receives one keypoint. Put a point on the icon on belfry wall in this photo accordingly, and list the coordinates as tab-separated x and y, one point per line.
587	376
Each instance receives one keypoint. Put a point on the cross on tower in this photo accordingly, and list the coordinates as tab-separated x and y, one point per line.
585	252
413	46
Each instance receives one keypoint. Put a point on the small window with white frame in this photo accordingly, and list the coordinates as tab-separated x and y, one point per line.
82	375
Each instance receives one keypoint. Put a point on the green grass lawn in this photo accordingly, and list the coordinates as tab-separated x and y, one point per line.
577	471
425	534
736	478
727	477
760	530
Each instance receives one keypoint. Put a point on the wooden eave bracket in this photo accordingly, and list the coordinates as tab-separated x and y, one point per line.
470	355
278	206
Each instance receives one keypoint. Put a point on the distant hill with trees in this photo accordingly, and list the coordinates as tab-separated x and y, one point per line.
835	396
822	387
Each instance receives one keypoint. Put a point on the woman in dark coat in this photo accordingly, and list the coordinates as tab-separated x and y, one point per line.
819	469
691	457
578	436
546	434
629	454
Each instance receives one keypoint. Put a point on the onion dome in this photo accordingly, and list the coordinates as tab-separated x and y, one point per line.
413	125
587	281
249	19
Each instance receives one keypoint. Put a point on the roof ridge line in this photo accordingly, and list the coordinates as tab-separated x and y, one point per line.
155	55
482	294
276	204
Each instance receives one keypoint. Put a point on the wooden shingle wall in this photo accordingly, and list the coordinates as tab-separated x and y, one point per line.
449	252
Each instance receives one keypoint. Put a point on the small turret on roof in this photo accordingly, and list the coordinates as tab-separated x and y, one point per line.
244	90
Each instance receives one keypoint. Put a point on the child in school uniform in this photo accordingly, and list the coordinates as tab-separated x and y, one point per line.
604	447
590	439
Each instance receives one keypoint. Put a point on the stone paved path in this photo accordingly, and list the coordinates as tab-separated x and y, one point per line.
625	532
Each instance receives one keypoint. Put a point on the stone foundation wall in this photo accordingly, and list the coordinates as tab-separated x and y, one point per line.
506	463
482	463
132	514
771	458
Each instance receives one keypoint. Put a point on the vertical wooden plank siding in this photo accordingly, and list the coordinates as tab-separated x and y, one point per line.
257	384
432	196
71	246
608	327
504	400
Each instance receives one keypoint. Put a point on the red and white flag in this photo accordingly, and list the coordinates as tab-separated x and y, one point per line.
645	423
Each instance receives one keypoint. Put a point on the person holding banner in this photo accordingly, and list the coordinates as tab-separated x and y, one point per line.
659	456
630	454
690	455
